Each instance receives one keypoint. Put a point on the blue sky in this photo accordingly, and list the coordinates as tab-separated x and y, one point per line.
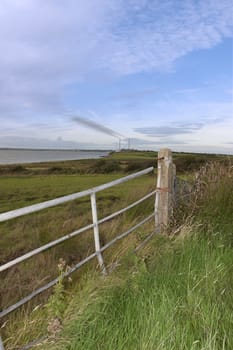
157	72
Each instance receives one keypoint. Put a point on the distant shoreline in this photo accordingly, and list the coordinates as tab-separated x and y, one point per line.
26	155
55	149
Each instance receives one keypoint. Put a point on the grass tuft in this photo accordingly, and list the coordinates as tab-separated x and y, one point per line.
179	298
174	294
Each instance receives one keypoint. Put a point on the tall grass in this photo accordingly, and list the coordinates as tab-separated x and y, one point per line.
180	297
176	294
23	326
183	302
24	234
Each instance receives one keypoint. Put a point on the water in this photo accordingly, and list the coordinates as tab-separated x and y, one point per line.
19	156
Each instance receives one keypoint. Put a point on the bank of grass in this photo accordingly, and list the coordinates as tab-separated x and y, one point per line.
33	183
124	161
22	191
180	297
27	233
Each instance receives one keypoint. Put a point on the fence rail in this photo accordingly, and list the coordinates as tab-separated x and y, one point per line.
170	190
53	202
167	189
95	226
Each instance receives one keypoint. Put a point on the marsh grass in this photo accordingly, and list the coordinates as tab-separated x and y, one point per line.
182	302
179	297
175	294
29	232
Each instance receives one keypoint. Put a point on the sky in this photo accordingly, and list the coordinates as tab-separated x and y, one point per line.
84	74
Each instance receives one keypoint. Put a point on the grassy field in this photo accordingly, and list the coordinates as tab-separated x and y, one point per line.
26	233
177	295
26	187
125	161
33	183
21	191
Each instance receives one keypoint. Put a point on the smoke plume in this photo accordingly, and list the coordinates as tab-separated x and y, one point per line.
96	126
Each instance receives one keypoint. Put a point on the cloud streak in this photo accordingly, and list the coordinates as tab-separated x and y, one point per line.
137	142
166	130
96	126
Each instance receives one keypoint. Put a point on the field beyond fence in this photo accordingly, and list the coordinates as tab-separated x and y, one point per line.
168	194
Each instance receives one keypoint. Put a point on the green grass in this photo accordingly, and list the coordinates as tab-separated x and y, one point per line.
124	161
175	295
16	192
181	297
132	155
23	191
183	301
32	231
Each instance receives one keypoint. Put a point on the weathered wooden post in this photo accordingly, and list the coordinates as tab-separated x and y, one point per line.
165	189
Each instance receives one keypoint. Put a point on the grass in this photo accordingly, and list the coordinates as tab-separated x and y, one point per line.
124	161
184	303
54	222
118	303
17	192
181	297
37	229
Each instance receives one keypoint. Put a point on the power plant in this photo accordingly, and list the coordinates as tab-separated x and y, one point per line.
101	128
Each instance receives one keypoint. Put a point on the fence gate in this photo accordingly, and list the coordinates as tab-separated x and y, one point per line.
164	193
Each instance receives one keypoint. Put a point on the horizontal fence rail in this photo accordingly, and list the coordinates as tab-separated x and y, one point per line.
71	270
96	222
53	202
70	235
169	191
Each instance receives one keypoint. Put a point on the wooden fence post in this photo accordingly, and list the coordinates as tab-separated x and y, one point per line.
165	189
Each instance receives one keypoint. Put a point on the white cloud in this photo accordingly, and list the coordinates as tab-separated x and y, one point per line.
200	125
46	45
152	34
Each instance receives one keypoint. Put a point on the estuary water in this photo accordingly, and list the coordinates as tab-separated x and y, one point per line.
19	156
